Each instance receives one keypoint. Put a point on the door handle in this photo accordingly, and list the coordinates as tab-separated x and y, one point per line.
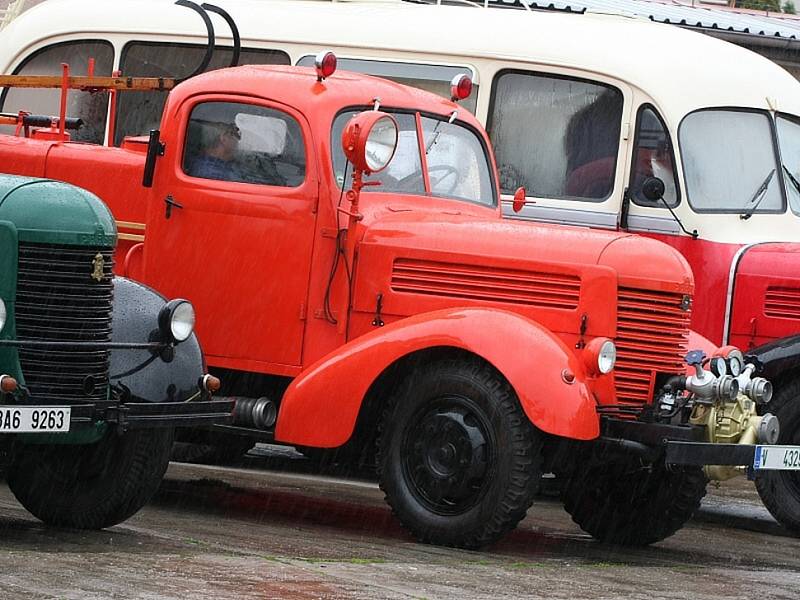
170	202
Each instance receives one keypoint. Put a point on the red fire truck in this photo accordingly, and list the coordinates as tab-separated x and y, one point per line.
346	234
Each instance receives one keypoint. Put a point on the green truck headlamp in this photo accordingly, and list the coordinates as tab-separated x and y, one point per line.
176	320
3	314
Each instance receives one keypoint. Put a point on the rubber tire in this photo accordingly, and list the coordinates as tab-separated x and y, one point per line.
516	471
90	486
220	450
780	490
631	504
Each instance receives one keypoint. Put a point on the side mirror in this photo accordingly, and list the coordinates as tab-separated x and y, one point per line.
653	189
519	199
369	140
154	149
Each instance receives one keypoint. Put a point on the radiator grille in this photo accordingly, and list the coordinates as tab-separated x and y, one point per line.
652	337
783	303
59	300
472	282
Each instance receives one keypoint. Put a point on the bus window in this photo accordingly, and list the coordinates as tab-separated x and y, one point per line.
729	162
431	78
139	112
653	157
556	136
91	108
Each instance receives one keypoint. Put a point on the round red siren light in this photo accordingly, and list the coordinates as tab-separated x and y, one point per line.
460	87
325	63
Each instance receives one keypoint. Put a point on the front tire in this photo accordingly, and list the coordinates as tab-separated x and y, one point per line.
459	461
629	502
780	490
90	486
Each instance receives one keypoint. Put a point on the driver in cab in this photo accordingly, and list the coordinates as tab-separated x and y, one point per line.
216	157
213	152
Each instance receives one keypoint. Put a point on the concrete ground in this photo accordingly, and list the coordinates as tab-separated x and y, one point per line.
260	531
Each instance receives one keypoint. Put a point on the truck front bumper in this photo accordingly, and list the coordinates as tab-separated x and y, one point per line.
684	445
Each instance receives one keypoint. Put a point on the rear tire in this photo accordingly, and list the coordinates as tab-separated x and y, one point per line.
780	490
459	460
90	486
630	503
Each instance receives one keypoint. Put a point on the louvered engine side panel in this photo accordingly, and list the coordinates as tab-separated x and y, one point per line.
652	337
58	299
782	303
473	282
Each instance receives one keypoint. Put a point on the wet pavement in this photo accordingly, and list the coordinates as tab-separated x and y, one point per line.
259	531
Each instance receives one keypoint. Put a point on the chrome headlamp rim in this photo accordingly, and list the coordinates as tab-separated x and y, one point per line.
176	320
607	357
3	314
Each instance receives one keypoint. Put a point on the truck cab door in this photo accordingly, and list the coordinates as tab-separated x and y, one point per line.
230	227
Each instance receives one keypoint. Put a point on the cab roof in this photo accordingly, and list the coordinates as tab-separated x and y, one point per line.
299	88
680	70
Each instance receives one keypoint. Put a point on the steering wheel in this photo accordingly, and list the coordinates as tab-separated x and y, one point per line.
445	170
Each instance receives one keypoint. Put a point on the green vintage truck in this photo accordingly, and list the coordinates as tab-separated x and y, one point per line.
96	371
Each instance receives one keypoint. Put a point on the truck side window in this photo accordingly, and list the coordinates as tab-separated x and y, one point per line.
653	157
139	112
557	136
229	141
91	108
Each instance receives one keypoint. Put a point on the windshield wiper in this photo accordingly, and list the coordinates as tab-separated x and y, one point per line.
759	195
436	132
795	183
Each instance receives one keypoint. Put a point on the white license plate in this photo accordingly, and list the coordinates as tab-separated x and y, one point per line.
777	457
34	419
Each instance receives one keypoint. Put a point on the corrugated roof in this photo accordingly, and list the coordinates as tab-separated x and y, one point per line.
698	16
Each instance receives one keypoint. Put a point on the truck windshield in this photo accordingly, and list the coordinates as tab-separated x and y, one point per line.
457	163
730	162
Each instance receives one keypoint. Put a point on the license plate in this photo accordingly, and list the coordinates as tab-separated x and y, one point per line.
777	457
34	419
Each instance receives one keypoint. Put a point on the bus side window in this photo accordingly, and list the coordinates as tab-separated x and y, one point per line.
653	157
557	136
90	108
139	112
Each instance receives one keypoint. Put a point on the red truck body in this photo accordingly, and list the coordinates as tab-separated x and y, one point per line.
469	351
258	259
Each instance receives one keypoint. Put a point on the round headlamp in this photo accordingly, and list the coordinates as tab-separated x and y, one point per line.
600	356
176	320
3	314
607	357
369	140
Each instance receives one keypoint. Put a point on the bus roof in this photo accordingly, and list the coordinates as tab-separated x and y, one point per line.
681	70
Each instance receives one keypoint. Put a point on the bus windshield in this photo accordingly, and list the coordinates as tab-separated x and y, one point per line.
730	162
789	142
457	163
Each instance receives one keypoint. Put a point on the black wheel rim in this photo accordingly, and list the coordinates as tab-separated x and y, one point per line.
447	454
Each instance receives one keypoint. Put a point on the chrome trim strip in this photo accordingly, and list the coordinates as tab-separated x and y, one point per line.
731	281
562	216
653	224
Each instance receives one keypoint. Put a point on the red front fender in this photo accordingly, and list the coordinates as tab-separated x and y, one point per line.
321	405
